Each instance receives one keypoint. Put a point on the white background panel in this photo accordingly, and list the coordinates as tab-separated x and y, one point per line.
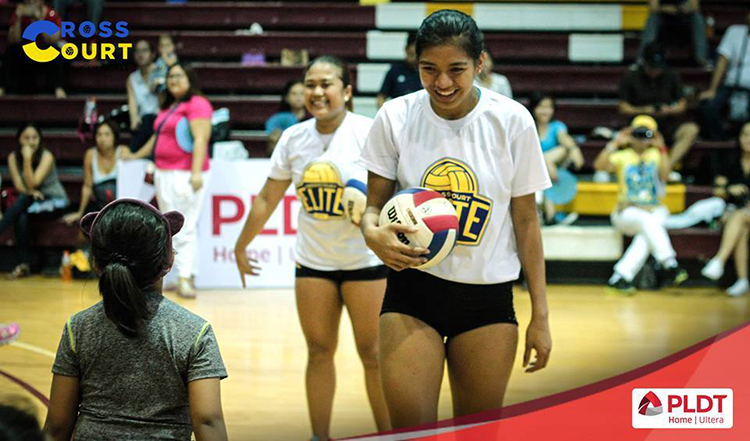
581	243
400	15
546	17
386	45
596	47
370	76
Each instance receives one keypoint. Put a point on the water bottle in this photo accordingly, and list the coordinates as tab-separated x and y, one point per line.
67	267
710	23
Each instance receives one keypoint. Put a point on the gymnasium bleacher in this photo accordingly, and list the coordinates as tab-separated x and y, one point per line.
577	50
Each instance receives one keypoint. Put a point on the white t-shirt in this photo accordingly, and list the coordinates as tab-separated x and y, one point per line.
479	162
319	166
731	48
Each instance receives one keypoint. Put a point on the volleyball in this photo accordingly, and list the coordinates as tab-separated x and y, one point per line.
354	200
432	214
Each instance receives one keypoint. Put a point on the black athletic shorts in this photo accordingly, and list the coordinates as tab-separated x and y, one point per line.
451	308
369	273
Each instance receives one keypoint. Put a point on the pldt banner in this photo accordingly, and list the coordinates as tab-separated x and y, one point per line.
231	191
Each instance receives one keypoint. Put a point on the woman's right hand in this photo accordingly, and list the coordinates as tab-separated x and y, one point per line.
737	190
383	241
245	264
707	95
126	154
71	218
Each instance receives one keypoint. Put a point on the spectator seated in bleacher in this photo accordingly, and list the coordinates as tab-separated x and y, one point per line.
94	9
19	74
37	187
638	156
291	111
167	57
729	92
652	88
734	239
143	104
403	77
558	147
99	172
491	80
682	13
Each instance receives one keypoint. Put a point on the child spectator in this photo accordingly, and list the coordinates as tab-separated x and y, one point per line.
32	168
135	365
19	74
291	111
639	158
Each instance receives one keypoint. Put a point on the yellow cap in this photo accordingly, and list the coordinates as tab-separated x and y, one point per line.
644	121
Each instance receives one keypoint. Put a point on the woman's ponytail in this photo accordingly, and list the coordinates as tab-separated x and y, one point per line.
123	301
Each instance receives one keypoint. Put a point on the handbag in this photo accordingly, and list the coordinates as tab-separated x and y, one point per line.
739	97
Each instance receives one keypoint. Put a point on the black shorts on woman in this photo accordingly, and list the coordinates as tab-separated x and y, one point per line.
450	308
378	272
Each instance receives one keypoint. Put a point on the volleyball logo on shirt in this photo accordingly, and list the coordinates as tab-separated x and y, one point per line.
321	190
458	183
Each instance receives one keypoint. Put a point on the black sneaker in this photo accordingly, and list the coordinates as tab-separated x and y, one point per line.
673	276
621	286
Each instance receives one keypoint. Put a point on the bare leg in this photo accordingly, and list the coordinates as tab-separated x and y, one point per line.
734	229
363	300
684	139
412	355
479	365
319	308
740	255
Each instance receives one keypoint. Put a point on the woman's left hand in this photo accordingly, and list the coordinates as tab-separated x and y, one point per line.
37	195
538	338
196	181
27	151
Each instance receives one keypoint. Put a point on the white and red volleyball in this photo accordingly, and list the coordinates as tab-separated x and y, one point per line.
432	214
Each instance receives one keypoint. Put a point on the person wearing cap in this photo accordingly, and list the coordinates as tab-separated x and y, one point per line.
652	88
732	72
135	365
638	156
686	13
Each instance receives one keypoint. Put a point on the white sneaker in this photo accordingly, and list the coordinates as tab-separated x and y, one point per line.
674	177
713	270
740	287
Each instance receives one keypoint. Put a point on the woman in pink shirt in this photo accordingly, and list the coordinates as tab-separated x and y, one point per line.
181	134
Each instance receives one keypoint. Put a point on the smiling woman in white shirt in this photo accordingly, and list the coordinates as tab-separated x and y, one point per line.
334	266
461	310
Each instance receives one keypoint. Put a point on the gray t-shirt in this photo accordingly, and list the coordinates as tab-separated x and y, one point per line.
136	388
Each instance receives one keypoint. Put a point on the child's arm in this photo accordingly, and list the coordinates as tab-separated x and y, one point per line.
63	408
205	409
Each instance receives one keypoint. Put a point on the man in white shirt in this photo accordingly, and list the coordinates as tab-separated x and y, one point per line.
732	71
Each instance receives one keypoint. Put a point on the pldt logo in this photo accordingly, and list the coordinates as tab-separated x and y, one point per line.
70	51
682	409
653	400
